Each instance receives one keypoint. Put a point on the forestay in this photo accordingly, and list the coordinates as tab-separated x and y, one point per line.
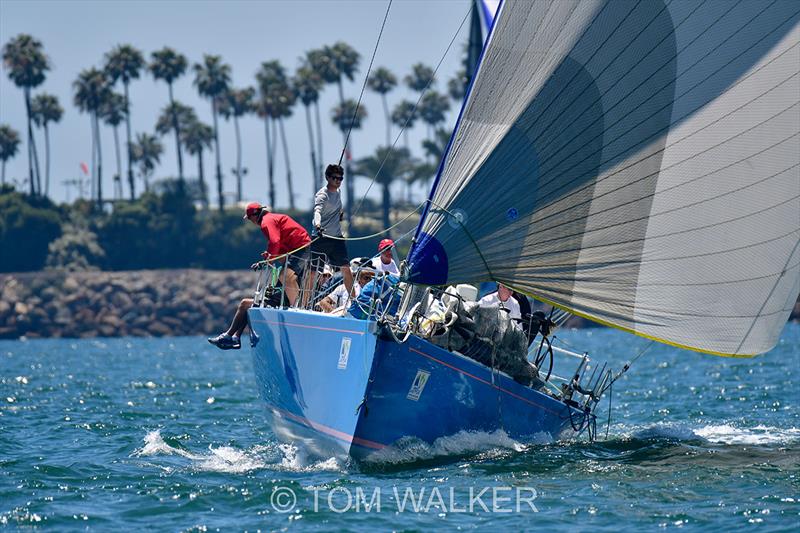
637	163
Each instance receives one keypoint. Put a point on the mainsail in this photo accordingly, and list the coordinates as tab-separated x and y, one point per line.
636	163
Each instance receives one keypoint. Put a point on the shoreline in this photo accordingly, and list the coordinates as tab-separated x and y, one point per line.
135	303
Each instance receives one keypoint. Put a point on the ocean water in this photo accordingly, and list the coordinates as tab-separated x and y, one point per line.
169	434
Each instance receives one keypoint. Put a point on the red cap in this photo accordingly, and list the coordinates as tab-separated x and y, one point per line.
384	244
253	208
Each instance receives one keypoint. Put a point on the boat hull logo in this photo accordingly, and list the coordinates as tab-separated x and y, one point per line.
344	353
418	385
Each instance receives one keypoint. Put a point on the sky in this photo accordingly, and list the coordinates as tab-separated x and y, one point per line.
77	34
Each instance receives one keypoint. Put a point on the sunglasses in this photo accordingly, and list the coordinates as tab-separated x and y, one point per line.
337	178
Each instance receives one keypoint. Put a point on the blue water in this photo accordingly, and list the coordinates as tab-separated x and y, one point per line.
169	434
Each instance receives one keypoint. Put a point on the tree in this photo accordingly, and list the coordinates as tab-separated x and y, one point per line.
316	61
175	113
146	150
112	112
197	137
212	78
307	84
272	87
333	63
235	103
24	58
386	166
124	63
382	81
348	116
91	91
44	110
457	86
420	78
404	115
9	144
432	109
168	65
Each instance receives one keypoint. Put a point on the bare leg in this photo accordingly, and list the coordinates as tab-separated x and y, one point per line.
311	277
292	288
347	276
240	318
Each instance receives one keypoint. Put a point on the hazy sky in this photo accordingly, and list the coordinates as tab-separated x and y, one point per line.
76	35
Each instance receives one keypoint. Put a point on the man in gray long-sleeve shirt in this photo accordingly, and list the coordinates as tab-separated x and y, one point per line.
328	223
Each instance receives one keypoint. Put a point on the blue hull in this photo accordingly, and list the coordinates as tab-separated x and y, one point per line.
339	388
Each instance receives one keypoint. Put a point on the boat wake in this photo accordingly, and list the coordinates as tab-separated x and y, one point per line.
463	443
232	460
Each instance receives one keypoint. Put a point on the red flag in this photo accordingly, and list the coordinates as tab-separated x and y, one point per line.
85	168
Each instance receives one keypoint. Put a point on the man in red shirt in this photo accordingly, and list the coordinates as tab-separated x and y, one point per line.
284	236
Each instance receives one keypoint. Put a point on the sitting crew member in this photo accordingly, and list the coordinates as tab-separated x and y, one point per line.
328	215
385	262
283	235
339	297
502	299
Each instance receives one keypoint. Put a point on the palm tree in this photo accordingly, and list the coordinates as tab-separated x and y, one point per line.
169	65
236	103
457	86
403	116
432	109
348	116
24	58
272	87
386	166
317	62
284	110
197	137
147	152
382	81
112	112
420	78
9	144
173	113
307	84
44	110
91	91
124	63
212	78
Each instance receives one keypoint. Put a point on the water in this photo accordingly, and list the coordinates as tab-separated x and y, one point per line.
169	434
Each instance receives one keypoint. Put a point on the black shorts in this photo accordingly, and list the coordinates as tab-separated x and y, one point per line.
298	261
334	249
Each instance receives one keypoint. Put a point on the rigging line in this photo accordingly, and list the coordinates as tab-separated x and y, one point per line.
627	366
413	112
469	235
654	47
365	237
766	300
364	86
651	216
673	100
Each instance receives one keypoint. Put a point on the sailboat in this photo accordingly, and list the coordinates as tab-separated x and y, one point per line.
633	163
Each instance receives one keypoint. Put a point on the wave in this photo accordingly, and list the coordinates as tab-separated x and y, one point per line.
715	434
411	450
232	460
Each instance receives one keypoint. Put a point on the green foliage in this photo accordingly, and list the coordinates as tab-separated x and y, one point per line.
28	224
76	250
157	231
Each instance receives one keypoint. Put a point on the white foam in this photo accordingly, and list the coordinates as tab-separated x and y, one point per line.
758	435
716	433
411	449
235	460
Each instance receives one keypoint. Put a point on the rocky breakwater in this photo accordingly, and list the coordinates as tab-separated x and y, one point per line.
115	304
